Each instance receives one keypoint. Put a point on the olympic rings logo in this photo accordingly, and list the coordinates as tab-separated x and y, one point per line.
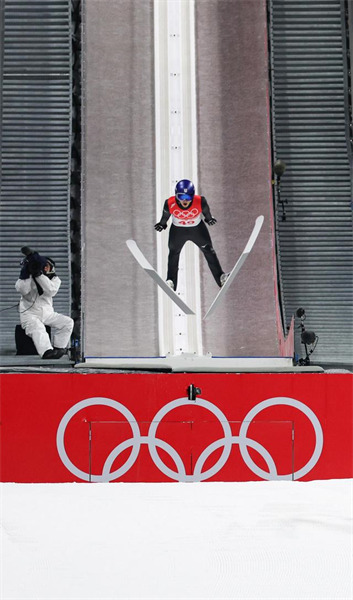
226	442
185	214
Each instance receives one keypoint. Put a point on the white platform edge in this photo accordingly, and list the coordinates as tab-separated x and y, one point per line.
206	364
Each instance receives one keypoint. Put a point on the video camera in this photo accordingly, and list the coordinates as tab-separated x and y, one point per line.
34	264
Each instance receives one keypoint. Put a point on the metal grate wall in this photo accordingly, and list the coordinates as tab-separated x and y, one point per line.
35	145
311	135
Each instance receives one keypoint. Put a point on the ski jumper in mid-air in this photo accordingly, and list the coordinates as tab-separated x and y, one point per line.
189	214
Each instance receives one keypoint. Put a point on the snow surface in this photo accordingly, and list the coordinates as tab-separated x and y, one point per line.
182	541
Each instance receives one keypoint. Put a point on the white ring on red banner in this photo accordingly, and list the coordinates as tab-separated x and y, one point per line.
60	443
235	440
226	442
319	438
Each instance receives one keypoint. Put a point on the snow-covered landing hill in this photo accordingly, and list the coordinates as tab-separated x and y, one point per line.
273	540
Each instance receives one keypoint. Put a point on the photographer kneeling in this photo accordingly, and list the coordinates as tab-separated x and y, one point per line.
37	284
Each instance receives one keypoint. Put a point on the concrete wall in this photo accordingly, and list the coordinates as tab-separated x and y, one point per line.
119	302
232	86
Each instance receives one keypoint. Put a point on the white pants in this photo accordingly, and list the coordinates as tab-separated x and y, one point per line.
61	330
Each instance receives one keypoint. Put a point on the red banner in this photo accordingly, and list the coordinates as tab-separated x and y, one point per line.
143	427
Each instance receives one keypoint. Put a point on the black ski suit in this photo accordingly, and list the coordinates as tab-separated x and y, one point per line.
185	231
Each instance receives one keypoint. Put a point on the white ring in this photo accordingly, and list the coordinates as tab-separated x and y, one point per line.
235	440
274	402
143	440
227	440
75	409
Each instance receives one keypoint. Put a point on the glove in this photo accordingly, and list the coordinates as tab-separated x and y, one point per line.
160	227
211	221
34	268
24	274
50	275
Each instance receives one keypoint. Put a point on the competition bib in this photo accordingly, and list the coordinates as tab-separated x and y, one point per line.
189	217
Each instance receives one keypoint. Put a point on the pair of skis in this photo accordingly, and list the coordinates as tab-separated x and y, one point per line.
143	262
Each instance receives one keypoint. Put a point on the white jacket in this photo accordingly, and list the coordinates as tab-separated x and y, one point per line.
31	302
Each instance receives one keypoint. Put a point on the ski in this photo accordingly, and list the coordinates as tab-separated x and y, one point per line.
252	239
143	262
